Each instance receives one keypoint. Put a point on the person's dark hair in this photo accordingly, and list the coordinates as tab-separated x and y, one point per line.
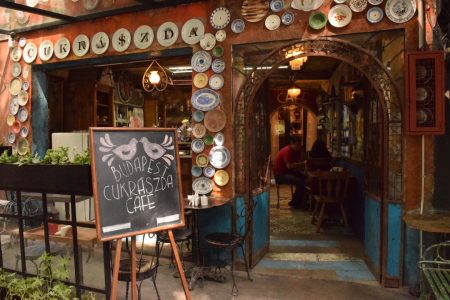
319	150
295	140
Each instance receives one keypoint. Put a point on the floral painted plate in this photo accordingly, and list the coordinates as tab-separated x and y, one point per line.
219	139
202	160
340	15
197	145
201	61
202	185
219	157
205	99
218	65
209	171
199	130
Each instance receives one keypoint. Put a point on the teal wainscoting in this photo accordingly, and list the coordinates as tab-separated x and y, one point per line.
394	240
372	232
260	238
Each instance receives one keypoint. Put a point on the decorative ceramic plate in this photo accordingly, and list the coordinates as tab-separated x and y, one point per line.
254	10
287	18
80	45
424	115
23	146
201	61
22	18
15	127
143	37
215	120
30	53
219	157
272	22
317	20
196	171
340	1
307	5
90	4
16	54
200	80
205	99
22	41
24	131
202	160
22	98
216	81
199	130
25	85
218	51
357	5
374	15
340	15
221	177
202	185
13	107
423	74
400	11
192	31
423	94
197	145
15	85
219	139
25	72
209	171
218	65
238	26
32	3
10	119
198	116
16	69
46	50
276	5
62	48
221	35
208	41
100	43
22	114
11	137
375	2
121	40
220	18
162	35
208	139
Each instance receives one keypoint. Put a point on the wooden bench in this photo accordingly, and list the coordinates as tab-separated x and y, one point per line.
435	271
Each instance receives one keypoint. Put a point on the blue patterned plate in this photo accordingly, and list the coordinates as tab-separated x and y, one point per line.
205	99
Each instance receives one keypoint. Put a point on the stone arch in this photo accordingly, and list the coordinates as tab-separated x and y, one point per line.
361	59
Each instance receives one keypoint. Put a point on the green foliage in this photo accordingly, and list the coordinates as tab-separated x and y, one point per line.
47	285
83	158
59	156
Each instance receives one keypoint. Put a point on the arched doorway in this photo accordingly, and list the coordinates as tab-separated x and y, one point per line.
389	98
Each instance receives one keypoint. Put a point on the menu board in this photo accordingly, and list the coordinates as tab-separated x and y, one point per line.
136	182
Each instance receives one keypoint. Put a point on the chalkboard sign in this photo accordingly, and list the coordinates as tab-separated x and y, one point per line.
136	182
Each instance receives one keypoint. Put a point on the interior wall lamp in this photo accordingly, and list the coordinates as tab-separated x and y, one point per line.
155	78
296	63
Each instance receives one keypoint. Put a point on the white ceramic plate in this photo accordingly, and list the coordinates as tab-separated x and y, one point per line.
13	107
32	3
197	145
340	15
22	98
16	69
276	5
22	18
287	18
30	53
198	130
11	137
400	11
202	185
219	157
22	41
272	22
357	5
221	35
209	171
16	54
22	115
80	45
143	37
201	61
46	50
374	2
216	82
24	131
218	65
238	26
100	43
200	81
62	48
375	15
25	85
220	18
208	41
205	99
90	4
192	31
219	139
121	39
307	5
15	85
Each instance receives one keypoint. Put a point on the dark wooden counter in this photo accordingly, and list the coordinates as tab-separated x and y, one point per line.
430	221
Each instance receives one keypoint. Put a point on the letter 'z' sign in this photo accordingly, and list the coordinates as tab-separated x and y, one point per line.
136	182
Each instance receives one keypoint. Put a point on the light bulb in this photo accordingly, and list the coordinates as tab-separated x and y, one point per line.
154	77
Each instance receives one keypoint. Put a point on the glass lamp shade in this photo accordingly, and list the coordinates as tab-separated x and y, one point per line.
294	92
154	77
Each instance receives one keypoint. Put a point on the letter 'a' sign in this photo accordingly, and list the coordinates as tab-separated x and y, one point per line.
136	182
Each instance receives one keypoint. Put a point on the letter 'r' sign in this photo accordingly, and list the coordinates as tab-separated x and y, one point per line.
136	181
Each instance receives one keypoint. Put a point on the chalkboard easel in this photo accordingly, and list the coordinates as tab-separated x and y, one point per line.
137	189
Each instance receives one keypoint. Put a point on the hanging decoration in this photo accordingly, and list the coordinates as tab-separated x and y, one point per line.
155	78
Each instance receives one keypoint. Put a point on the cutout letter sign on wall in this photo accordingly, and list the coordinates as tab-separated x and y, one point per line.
136	182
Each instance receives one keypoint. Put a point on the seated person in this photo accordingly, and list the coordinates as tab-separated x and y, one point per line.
288	169
319	157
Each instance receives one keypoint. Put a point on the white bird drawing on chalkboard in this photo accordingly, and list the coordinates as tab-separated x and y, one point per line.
124	152
155	151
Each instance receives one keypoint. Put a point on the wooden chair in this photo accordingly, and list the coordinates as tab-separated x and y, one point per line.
231	241
333	187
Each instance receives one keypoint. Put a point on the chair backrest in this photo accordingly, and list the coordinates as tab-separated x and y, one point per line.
246	211
333	186
318	164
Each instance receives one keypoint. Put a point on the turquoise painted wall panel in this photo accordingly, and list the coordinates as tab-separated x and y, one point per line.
394	222
260	222
372	233
39	111
411	258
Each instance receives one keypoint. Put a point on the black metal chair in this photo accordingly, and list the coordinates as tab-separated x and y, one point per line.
145	268
181	236
231	241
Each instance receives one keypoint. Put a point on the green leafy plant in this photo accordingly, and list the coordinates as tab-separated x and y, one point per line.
58	156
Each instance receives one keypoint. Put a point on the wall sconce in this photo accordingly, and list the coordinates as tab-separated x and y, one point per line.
155	78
